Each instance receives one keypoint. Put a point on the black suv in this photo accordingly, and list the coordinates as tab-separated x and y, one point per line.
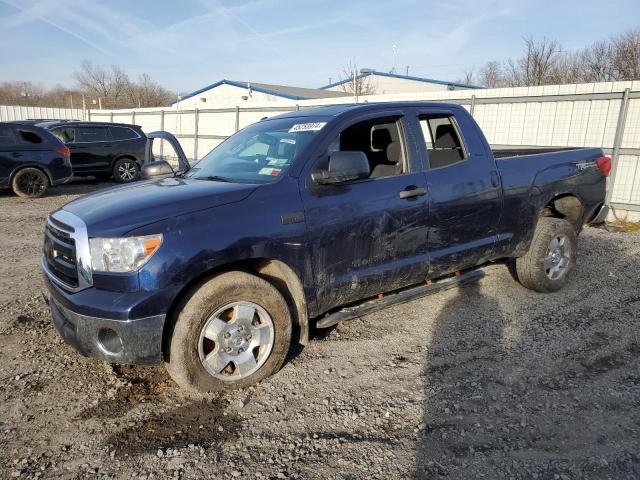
31	160
103	150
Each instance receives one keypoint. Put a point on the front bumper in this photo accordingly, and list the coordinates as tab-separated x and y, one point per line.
117	341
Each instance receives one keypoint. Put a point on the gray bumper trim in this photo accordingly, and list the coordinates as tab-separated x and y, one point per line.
140	341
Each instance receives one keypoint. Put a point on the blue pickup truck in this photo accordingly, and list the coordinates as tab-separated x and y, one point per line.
301	221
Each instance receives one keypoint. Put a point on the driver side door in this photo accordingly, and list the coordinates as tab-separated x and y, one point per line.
368	236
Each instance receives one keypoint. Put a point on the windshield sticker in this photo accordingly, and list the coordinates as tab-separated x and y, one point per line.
307	127
288	140
272	172
277	162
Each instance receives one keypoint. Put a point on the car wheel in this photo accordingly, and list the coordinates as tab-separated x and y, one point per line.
551	258
125	170
30	183
231	332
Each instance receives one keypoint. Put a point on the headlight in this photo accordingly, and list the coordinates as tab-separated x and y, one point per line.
126	254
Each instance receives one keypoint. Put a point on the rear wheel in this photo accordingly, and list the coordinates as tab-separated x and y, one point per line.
551	257
232	332
125	170
30	183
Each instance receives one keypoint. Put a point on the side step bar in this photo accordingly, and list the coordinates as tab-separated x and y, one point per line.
402	296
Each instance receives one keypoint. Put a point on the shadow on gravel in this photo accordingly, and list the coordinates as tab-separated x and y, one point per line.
79	186
546	390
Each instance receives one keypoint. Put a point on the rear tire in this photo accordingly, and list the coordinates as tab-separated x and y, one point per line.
551	258
231	332
126	170
30	183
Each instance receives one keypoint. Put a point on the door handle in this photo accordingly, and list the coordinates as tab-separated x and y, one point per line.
495	179
16	155
411	192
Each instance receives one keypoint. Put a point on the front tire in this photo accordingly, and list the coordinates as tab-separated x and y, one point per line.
126	170
30	183
551	258
232	331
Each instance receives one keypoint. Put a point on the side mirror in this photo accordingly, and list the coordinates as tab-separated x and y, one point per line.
343	166
173	142
157	169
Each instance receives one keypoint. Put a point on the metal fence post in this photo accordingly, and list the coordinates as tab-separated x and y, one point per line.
237	118
195	134
617	142
111	117
133	117
473	105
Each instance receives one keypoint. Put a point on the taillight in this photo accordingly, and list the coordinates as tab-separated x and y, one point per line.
63	151
604	164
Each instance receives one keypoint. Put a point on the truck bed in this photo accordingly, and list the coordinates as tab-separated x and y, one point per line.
505	152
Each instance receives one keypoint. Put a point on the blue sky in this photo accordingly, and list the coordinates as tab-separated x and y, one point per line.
191	43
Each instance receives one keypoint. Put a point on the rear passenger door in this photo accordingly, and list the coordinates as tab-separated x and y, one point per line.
465	199
9	154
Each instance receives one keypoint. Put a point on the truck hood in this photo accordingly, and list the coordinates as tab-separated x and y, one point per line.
118	210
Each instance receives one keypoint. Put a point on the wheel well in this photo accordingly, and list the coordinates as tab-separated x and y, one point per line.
37	167
565	206
277	273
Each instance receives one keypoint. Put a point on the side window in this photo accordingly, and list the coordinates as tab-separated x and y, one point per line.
379	139
122	133
92	134
64	134
7	138
442	140
27	136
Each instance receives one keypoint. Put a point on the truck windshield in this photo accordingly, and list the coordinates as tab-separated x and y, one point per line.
260	153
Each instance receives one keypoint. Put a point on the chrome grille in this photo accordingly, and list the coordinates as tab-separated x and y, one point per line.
66	258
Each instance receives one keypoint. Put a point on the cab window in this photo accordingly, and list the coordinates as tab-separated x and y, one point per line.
442	140
379	139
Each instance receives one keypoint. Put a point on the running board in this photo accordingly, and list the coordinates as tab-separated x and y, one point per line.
397	298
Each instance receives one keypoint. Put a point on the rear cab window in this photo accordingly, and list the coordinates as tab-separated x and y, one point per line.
442	140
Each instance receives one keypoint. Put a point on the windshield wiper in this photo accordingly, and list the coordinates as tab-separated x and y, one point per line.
215	178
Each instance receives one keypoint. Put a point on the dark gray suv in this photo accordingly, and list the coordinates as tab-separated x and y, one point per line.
103	150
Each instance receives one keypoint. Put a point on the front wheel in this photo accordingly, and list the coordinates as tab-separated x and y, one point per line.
551	258
233	331
30	183
125	170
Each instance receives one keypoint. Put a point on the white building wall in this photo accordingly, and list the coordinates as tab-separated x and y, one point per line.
226	96
382	85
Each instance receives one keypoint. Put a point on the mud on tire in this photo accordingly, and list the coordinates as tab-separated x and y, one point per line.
551	258
192	345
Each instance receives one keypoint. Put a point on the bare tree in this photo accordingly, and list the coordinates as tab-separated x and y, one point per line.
147	93
468	78
362	82
625	56
545	62
491	75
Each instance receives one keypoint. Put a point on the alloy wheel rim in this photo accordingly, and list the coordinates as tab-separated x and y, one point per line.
236	341
127	171
558	257
31	183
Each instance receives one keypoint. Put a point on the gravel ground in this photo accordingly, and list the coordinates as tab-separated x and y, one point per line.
490	380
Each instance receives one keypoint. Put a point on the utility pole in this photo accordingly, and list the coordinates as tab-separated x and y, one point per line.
100	103
355	85
407	70
71	100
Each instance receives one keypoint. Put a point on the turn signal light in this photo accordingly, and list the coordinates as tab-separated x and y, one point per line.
604	164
